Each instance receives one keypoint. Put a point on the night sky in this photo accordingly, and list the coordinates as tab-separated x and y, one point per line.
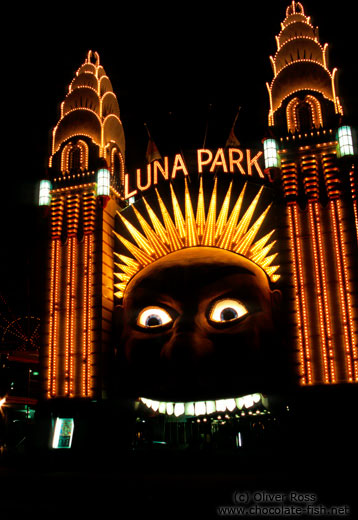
174	66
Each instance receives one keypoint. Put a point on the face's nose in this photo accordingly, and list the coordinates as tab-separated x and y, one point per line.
188	346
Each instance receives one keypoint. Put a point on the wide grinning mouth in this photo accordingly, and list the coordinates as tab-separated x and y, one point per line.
199	408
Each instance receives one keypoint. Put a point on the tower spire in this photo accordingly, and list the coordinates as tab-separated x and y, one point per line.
303	90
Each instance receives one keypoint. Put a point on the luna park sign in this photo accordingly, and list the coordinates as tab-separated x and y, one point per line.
231	161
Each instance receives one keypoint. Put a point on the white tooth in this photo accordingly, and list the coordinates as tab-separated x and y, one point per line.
221	405
155	405
200	408
256	398
189	409
170	408
179	409
239	403
230	404
210	407
162	407
248	401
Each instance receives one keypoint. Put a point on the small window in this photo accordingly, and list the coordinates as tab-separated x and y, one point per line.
45	193
74	159
103	182
345	141
271	153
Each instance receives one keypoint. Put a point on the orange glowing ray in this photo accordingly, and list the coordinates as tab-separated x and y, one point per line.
222	218
175	241
227	235
191	235
227	232
157	225
200	210
208	238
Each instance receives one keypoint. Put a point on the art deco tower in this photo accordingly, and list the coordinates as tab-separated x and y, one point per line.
315	156
86	168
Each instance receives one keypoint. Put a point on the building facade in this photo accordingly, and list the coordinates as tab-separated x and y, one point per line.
109	230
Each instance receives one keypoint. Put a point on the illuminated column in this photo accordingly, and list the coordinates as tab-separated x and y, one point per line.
89	213
55	279
290	188
353	179
73	209
309	168
331	173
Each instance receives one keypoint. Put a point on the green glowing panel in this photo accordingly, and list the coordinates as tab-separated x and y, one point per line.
271	154
45	193
103	182
63	433
345	141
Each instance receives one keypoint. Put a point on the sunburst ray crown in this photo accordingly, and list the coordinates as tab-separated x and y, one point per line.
226	231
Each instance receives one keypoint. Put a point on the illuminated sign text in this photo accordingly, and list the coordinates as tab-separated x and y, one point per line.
232	160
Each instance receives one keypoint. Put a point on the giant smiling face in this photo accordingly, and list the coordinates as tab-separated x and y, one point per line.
199	324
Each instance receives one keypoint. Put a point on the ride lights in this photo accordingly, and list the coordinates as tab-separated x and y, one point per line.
103	182
345	141
45	193
271	156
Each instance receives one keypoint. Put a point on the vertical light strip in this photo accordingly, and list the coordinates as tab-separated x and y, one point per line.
89	320
89	214
320	276
331	360
300	298
51	353
346	304
353	182
68	316
72	315
55	276
85	318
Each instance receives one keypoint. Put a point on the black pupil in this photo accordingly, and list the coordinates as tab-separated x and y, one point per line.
153	320
228	314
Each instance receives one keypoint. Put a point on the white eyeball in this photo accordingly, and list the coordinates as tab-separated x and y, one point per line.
152	317
227	310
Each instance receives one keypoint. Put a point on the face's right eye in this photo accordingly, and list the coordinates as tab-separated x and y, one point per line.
153	317
227	311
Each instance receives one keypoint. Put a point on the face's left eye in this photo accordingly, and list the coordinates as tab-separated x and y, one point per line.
227	311
152	317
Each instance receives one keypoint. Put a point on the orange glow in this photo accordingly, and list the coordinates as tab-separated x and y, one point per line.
87	317
344	290
322	300
300	296
254	161
178	165
353	183
236	234
148	181
236	161
73	209
57	210
219	160
164	170
53	323
204	162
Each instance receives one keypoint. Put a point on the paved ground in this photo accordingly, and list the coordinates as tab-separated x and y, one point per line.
172	485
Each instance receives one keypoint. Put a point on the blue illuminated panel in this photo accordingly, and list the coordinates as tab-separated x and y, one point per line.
63	433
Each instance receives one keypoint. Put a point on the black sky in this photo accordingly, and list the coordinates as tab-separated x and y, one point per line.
167	64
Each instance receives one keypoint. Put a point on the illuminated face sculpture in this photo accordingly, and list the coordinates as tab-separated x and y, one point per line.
198	322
